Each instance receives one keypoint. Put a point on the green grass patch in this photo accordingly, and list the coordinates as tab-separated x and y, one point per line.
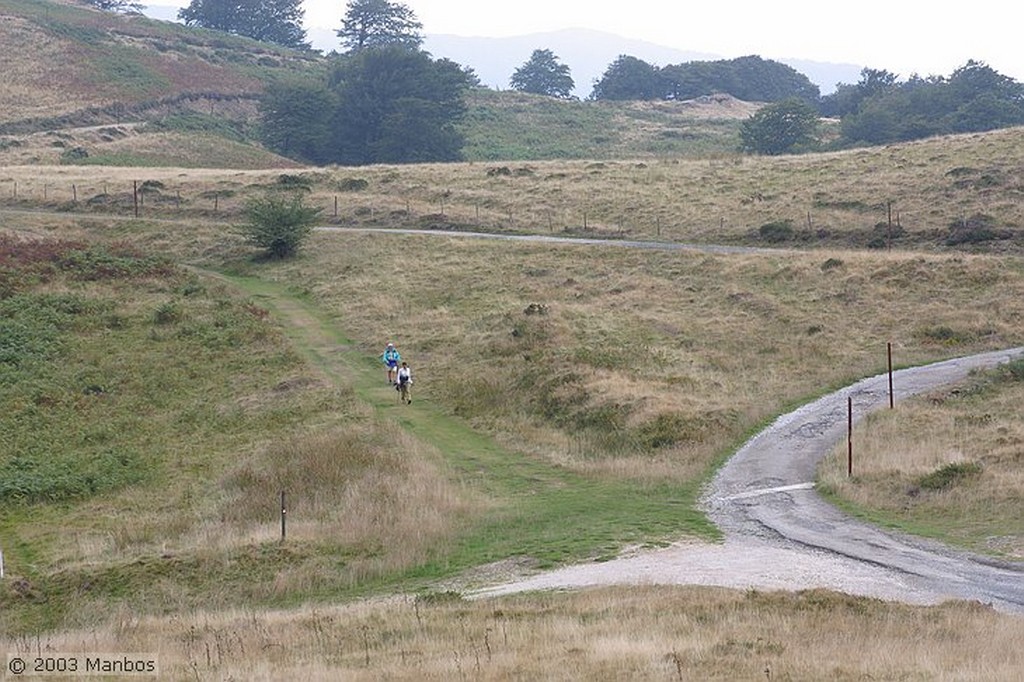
949	475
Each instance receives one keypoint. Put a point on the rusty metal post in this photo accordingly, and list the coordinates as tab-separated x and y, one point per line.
849	436
284	512
892	399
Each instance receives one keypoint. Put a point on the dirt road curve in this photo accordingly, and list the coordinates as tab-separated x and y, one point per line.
780	534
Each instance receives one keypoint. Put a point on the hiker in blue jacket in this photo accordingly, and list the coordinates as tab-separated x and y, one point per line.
390	357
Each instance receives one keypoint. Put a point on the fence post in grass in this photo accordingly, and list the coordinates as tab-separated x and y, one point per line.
1	564
335	205
888	228
892	399
135	197
284	513
74	193
849	436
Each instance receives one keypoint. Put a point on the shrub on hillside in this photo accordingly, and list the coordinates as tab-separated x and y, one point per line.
279	224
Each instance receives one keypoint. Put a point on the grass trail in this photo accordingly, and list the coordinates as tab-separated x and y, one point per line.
540	511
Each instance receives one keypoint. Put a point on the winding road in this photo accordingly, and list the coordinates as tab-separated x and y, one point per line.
780	534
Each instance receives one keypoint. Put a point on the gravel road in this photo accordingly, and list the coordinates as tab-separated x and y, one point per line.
780	534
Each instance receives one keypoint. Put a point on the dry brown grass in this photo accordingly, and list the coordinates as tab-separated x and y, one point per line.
26	89
830	200
904	459
607	634
709	344
364	491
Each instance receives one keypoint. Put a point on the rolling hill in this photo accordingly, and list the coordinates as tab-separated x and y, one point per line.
86	86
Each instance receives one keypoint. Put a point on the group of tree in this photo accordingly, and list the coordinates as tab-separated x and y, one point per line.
383	100
272	21
880	109
750	78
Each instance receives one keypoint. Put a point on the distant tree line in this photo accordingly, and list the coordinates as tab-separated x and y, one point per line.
384	100
750	78
879	109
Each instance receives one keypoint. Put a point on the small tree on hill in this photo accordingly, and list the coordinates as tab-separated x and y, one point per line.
278	223
629	78
779	128
378	23
120	6
543	74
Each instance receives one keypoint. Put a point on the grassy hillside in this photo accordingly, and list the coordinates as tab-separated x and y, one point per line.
70	71
80	84
66	64
511	126
570	399
162	385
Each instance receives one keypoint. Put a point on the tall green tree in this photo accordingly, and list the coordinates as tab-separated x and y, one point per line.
378	23
396	105
543	74
272	21
629	78
296	120
779	128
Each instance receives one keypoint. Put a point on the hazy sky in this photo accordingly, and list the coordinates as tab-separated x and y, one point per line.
903	36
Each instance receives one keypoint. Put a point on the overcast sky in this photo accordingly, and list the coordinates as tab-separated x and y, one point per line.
903	36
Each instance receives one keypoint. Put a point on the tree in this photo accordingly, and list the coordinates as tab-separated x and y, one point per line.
272	21
779	128
396	105
377	23
278	223
120	6
629	78
296	120
543	74
750	78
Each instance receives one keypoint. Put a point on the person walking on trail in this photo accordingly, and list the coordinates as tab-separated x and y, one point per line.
404	383
391	357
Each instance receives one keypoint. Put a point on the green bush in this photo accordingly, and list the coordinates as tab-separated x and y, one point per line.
777	231
949	475
279	224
